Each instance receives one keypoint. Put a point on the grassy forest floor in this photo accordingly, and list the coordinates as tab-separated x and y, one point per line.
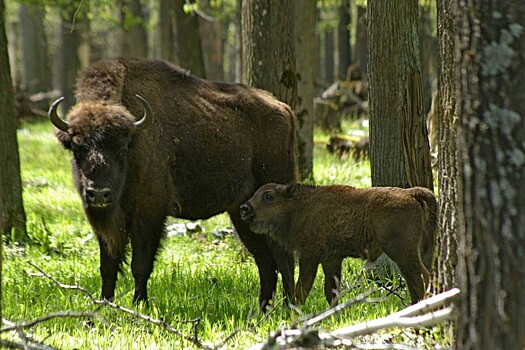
203	284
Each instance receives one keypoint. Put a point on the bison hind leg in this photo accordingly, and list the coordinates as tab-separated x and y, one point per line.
332	280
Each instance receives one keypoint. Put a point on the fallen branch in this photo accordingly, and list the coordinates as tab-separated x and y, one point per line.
428	312
192	339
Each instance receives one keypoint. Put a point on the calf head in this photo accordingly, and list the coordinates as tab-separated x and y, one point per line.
268	211
99	136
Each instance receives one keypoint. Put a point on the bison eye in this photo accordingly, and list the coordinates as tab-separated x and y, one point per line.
268	198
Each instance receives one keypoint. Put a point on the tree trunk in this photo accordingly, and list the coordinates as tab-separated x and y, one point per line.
446	243
212	43
491	109
268	47
304	49
399	148
343	39
329	49
12	215
36	69
361	42
166	37
134	37
68	60
189	47
428	54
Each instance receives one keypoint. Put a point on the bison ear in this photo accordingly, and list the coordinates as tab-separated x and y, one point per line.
286	190
64	138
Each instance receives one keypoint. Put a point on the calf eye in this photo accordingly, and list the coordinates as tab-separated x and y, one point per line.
268	198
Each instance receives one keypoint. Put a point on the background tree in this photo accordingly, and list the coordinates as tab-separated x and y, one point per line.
304	49
12	215
134	40
491	39
166	37
211	33
343	38
189	47
446	243
399	149
35	67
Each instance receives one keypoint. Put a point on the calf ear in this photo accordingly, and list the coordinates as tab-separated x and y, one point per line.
286	190
64	138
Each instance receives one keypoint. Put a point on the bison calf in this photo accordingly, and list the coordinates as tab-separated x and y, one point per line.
325	224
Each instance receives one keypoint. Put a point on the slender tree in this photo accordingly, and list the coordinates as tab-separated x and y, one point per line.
211	33
304	48
399	148
343	38
446	243
12	215
134	40
491	110
189	47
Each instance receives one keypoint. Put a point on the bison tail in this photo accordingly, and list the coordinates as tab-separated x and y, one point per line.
428	203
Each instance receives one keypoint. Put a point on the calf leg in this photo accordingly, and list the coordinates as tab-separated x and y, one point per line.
307	272
145	241
332	279
270	258
415	273
109	268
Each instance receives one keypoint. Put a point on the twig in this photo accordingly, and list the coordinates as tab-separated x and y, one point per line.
7	344
422	314
193	339
61	314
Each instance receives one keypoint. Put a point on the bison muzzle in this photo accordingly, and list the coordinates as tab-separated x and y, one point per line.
150	140
325	224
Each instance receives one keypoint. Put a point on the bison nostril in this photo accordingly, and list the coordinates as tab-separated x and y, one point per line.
98	196
246	209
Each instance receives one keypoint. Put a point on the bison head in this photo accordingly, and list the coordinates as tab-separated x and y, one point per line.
268	211
99	136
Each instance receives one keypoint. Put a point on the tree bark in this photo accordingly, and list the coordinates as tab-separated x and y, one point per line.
268	47
166	37
36	69
304	49
12	215
343	39
428	55
446	257
134	37
189	47
399	148
491	39
361	42
212	43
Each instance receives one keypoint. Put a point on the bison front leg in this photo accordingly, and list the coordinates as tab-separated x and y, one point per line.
270	258
109	268
307	272
145	241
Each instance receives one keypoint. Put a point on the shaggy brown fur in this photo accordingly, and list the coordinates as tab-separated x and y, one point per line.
209	146
325	224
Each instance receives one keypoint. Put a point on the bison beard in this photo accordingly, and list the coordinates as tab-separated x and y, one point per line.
325	224
199	148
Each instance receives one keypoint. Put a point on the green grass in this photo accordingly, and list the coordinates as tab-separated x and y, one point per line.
196	277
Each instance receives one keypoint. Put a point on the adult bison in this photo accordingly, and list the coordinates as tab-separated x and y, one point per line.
150	140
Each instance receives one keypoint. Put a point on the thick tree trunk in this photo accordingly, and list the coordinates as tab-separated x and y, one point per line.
446	244
304	49
189	47
12	215
428	55
491	39
399	148
269	47
343	39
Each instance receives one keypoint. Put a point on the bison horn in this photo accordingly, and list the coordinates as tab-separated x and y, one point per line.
58	122
146	120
